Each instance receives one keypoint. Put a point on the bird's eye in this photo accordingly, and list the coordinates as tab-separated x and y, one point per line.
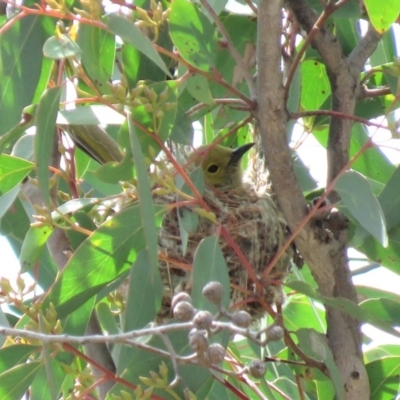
213	168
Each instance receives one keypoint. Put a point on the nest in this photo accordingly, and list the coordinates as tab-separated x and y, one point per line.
256	226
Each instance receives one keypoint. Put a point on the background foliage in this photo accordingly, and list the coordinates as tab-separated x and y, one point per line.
146	72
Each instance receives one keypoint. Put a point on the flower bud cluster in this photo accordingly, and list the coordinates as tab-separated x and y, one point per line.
152	19
183	310
204	327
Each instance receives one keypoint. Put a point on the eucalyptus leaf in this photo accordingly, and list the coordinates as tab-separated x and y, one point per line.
359	199
12	171
192	34
209	265
45	119
15	382
383	376
102	258
382	15
315	345
131	34
59	47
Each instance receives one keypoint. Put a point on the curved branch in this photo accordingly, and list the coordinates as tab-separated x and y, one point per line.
327	259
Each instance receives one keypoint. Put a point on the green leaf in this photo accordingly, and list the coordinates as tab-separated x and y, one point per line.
15	354
98	55
20	66
212	389
384	378
385	309
15	224
143	300
45	120
295	92
367	292
192	34
137	66
12	171
343	305
315	84
102	257
372	163
33	246
380	352
358	197
60	47
188	219
144	295
42	387
303	175
347	10
77	322
300	312
387	256
348	33
114	173
197	86
209	265
9	138
107	318
385	51
146	205
314	344
382	14
389	199
325	390
16	381
128	32
71	207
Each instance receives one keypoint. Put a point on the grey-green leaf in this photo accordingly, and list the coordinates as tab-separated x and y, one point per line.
357	196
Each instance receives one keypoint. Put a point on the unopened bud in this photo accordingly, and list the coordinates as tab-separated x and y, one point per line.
198	341
213	292
183	311
257	369
274	332
241	318
203	320
216	353
182	296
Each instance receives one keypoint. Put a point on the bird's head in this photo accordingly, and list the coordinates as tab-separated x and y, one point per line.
221	165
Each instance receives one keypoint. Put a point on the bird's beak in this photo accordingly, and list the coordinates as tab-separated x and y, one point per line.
237	153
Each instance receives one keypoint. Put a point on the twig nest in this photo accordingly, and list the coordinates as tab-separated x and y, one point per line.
255	225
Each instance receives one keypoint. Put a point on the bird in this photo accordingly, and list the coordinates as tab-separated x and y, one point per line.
253	221
221	165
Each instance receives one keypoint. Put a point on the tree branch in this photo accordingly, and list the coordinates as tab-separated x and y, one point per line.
327	260
232	49
367	45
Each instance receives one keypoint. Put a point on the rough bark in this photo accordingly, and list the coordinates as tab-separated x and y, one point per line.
327	260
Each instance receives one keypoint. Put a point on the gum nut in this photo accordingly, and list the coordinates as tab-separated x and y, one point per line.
180	297
257	369
183	311
216	353
203	320
213	292
198	342
241	318
274	332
